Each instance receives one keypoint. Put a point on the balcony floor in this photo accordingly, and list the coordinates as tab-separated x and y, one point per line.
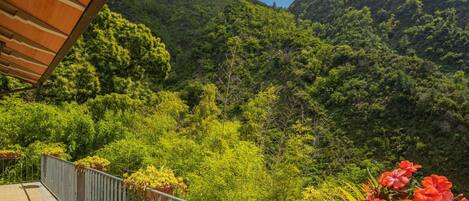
25	192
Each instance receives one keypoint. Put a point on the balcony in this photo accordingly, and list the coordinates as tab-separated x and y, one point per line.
58	180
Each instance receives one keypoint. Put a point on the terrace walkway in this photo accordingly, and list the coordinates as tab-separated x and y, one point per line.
25	192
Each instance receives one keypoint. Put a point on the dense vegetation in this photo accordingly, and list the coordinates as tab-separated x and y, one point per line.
437	31
249	102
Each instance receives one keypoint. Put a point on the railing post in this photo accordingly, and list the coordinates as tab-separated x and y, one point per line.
43	168
80	184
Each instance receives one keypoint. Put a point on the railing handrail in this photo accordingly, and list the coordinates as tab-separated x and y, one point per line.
57	158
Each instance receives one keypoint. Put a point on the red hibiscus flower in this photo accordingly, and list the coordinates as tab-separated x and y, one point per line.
427	194
409	167
396	179
440	183
464	199
437	188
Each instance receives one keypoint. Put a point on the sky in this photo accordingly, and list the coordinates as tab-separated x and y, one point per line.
280	3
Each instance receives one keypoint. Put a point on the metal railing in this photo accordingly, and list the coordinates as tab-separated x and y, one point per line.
101	186
59	177
69	183
18	170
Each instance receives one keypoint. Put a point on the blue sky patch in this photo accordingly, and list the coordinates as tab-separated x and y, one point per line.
280	3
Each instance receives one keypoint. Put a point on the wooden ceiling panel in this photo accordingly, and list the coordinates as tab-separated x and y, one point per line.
38	54
37	34
18	71
62	15
24	64
46	38
30	77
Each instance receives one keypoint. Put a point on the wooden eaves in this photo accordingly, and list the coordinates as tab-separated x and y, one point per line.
37	34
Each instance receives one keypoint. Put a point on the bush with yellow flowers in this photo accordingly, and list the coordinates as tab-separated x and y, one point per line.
56	151
94	162
162	179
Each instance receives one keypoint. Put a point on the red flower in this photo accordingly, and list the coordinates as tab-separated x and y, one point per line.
396	179
427	194
463	199
440	183
409	167
437	188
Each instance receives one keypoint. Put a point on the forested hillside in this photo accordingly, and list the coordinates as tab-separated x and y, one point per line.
437	31
248	102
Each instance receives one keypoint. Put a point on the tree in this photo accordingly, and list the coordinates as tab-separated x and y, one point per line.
114	55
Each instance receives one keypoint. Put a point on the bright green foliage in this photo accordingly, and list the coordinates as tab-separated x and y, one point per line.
237	174
259	117
207	108
334	191
27	123
125	155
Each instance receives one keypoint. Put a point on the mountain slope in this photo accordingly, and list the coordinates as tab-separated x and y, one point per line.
434	30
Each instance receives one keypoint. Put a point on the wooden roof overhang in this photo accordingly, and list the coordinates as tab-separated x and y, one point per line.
35	35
